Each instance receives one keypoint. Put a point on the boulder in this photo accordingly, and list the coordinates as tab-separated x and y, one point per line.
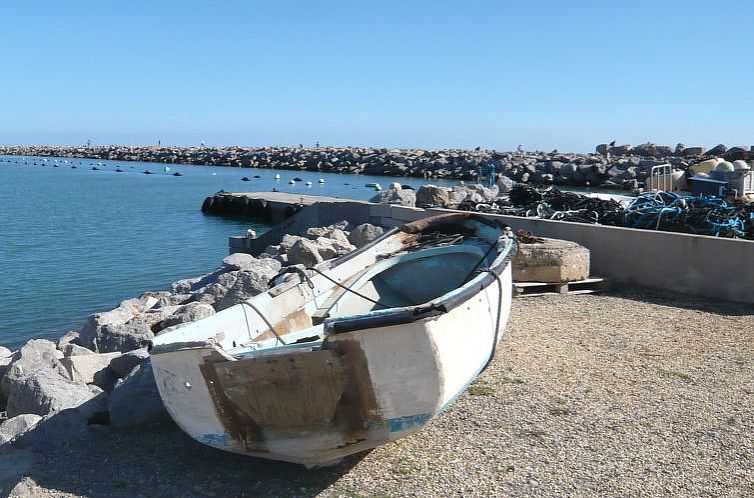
4	364
210	294
5	352
142	303
399	197
432	196
125	337
693	151
238	261
504	184
190	312
717	150
35	354
250	283
14	427
287	242
72	349
46	391
553	261
135	401
85	368
123	364
474	193
330	248
305	252
92	330
364	234
71	337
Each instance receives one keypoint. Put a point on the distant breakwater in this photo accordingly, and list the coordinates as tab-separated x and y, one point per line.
611	166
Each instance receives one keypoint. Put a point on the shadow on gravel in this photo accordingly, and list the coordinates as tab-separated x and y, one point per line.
668	298
159	461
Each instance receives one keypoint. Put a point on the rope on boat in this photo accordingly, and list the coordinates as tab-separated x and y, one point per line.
272	329
350	289
493	350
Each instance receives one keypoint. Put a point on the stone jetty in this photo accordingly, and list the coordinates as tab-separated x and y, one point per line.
610	166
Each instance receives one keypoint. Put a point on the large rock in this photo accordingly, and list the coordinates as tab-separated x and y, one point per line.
125	363
46	391
92	331
238	261
505	184
304	252
190	312
14	427
364	234
124	337
553	261
85	368
432	196
331	248
35	354
392	196
67	339
5	352
135	401
250	283
210	294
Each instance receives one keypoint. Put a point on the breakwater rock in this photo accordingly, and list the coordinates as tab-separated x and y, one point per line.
99	378
612	166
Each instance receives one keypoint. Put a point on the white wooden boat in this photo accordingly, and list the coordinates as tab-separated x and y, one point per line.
357	352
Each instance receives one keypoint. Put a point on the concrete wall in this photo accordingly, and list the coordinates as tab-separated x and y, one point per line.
691	264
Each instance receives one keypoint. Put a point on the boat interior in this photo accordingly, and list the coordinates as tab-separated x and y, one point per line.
421	274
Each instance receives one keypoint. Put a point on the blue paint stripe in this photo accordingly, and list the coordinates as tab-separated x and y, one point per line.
408	422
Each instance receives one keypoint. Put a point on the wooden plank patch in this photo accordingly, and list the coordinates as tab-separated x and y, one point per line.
531	289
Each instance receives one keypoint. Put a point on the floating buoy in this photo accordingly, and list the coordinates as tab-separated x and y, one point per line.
277	177
55	166
257	176
95	168
245	179
214	174
321	180
147	172
72	167
371	185
378	187
167	169
177	173
298	179
308	184
292	182
118	170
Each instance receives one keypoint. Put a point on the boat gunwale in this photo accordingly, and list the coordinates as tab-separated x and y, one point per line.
439	306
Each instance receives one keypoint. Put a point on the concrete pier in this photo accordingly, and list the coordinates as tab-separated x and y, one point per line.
268	206
691	264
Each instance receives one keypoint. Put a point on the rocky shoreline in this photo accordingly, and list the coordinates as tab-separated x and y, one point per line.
99	378
610	166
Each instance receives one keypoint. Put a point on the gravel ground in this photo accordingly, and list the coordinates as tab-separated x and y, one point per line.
623	394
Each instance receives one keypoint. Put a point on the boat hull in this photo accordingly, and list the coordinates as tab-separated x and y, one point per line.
357	390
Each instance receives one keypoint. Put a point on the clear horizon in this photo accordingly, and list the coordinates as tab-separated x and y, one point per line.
546	75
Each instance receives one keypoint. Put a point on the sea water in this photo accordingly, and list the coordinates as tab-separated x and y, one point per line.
76	241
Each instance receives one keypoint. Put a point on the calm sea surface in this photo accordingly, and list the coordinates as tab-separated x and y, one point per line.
78	241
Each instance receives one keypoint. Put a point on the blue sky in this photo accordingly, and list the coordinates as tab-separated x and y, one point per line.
545	74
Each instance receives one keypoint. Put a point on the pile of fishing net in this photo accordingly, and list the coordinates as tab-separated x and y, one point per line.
690	214
552	204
